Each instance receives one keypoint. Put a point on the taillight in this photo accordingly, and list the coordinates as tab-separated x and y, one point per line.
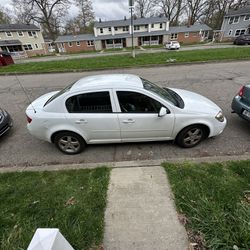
241	92
29	120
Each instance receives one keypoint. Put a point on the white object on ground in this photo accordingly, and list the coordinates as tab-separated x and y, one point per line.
49	239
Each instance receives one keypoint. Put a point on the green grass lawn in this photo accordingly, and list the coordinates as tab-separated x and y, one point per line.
215	198
121	61
73	201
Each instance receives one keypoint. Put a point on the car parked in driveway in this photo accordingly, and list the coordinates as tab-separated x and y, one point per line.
242	40
172	45
119	108
5	122
241	103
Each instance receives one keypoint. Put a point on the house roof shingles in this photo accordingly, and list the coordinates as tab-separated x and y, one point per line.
126	22
192	28
18	27
238	12
75	38
10	42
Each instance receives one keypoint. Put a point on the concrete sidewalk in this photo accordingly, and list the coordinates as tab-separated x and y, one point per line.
140	212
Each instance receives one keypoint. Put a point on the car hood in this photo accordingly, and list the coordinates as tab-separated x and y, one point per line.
38	104
196	103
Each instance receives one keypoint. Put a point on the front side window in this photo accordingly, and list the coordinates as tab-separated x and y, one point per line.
133	102
95	102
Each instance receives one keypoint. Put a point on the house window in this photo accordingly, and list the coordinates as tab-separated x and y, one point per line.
32	33
20	33
152	25
36	45
247	17
160	25
230	32
174	36
90	43
101	30
125	28
146	26
116	28
240	32
233	19
8	34
236	19
27	47
78	43
109	28
70	44
186	34
137	27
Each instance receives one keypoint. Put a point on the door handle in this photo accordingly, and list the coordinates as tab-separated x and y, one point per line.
128	121
81	121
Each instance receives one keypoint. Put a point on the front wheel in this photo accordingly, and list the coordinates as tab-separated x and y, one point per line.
190	136
69	143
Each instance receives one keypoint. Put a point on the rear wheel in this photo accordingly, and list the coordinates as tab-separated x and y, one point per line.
69	142
191	136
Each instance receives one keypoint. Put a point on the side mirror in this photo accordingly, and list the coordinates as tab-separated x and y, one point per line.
162	112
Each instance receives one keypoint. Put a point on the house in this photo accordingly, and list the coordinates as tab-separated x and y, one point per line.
118	34
22	40
75	43
235	23
190	34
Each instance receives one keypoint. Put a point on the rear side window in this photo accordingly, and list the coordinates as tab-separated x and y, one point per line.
96	102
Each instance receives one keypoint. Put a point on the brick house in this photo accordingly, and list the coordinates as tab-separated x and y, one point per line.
190	34
22	40
235	23
75	43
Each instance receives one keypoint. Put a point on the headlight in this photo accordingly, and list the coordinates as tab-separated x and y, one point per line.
220	117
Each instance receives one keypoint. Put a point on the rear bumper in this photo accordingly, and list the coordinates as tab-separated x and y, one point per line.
238	107
5	124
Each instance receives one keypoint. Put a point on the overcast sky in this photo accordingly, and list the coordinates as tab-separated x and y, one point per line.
105	9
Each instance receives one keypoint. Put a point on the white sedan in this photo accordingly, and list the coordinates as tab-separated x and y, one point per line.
173	45
122	108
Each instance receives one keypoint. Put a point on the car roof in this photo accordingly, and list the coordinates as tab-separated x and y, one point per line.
108	81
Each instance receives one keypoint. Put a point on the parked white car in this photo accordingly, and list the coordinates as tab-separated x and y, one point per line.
122	108
172	45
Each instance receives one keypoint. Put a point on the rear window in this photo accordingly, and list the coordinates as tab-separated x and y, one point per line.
64	90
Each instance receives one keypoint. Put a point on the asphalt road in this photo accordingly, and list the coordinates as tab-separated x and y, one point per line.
219	82
117	53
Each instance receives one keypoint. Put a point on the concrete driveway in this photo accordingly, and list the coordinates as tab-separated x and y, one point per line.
219	82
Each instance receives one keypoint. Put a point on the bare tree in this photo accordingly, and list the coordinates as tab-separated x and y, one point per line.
5	18
48	13
195	10
171	9
86	16
144	8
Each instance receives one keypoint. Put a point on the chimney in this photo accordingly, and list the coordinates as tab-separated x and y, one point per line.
100	20
125	18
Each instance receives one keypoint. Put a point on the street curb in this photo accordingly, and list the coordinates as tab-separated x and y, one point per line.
128	67
122	164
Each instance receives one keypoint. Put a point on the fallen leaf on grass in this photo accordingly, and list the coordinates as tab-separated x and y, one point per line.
71	201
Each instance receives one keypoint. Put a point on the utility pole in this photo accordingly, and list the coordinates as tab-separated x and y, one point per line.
131	7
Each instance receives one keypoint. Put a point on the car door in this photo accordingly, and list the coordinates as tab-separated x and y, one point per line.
139	119
92	114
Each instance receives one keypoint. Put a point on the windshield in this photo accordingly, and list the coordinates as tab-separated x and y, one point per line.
67	88
165	93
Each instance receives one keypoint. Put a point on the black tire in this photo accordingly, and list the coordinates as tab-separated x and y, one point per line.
69	143
191	136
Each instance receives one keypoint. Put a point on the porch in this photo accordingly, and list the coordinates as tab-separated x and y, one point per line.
114	43
150	40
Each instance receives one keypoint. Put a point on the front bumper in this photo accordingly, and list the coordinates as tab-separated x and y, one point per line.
5	124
